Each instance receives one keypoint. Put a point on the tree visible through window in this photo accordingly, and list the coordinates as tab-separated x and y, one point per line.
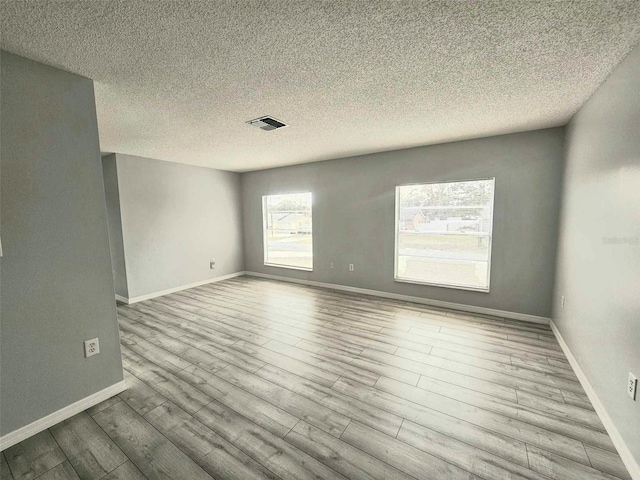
288	240
443	233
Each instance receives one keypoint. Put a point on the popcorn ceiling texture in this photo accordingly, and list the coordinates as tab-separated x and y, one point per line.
176	80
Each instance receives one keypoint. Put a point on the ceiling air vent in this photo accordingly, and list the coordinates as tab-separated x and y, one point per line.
267	123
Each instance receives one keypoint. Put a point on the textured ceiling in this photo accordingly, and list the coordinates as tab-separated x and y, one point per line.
176	80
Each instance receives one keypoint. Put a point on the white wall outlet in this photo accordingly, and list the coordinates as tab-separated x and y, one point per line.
351	267
91	347
332	265
632	386
563	302
212	264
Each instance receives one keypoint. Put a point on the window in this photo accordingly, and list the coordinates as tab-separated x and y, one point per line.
288	240
443	234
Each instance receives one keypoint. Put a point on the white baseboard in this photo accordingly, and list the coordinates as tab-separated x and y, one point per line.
407	298
52	419
625	454
176	289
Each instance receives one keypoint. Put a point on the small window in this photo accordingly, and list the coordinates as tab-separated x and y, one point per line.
288	239
443	234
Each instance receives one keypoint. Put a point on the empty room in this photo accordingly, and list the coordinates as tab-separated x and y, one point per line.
303	240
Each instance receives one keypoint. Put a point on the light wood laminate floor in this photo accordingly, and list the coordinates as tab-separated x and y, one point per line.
250	378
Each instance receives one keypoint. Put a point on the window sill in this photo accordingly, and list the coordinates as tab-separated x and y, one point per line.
442	285
288	266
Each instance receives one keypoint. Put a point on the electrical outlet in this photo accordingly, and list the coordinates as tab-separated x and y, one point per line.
91	347
632	386
332	265
563	302
351	267
212	264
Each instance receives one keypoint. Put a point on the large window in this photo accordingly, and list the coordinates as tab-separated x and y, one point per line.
443	234
288	240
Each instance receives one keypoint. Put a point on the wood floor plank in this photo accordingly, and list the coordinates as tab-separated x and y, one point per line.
126	471
249	323
351	407
152	453
351	462
166	383
173	325
5	472
441	374
279	456
263	413
401	455
224	353
415	343
561	468
300	407
577	399
470	324
542	341
214	345
554	420
89	450
363	362
102	405
607	462
549	427
142	314
335	343
475	327
153	353
492	320
287	363
514	377
208	322
465	431
334	366
360	339
62	471
352	326
543	368
514	341
310	330
186	353
315	326
474	460
254	313
466	329
559	362
139	396
568	412
456	343
493	421
213	453
34	456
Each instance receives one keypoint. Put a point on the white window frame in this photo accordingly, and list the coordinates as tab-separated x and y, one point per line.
443	285
265	230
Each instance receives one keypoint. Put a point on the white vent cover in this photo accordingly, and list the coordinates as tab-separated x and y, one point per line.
267	123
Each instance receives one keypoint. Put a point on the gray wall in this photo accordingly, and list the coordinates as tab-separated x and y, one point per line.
112	195
600	280
57	289
174	219
354	215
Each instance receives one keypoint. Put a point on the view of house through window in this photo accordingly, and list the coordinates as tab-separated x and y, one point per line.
287	230
443	233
